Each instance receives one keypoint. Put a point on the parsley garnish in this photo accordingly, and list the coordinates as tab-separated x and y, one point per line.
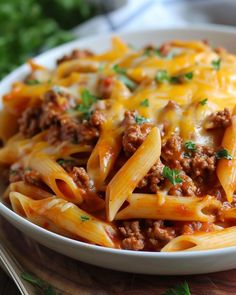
152	51
182	289
46	288
140	120
188	76
32	82
223	154
87	101
144	103
162	76
84	218
122	76
65	161
189	145
216	64
119	70
172	175
129	83
204	101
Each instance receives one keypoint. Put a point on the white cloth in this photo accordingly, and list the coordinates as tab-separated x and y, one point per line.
140	14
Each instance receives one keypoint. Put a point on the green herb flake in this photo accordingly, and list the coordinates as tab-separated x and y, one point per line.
216	64
182	289
84	218
204	101
187	155
189	145
140	120
87	101
128	82
223	154
32	82
162	76
172	175
188	76
144	103
118	70
46	288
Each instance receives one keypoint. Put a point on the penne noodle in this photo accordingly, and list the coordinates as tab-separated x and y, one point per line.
203	241
66	216
29	190
170	208
134	169
226	169
104	156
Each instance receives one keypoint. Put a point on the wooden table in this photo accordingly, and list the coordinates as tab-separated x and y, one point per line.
71	277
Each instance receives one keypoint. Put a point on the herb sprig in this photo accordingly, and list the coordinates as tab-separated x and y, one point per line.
223	153
43	286
181	289
122	75
172	175
87	100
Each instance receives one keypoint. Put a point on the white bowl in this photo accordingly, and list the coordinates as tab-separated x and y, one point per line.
179	263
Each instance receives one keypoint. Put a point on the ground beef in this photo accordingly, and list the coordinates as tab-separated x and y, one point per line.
172	151
75	54
32	177
218	120
158	235
186	188
145	235
97	119
153	178
133	239
105	87
29	121
200	162
80	177
52	116
134	134
197	226
18	173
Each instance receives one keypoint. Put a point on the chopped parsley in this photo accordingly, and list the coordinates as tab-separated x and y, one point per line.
140	120
144	103
32	82
188	76
84	218
172	175
204	101
189	145
43	286
118	70
152	51
65	161
216	64
162	76
87	101
128	82
223	154
182	289
123	77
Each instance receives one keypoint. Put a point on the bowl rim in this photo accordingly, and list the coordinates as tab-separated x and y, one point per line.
11	215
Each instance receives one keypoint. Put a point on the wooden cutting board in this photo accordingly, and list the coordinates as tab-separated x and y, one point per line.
71	277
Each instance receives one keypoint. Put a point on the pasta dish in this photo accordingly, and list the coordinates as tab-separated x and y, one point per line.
132	148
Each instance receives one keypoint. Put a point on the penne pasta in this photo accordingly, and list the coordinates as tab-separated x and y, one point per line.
170	208
134	169
203	241
67	216
226	169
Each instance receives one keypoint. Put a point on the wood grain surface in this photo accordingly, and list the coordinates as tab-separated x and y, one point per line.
71	277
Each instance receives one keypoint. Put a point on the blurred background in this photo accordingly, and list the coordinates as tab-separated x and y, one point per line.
28	27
